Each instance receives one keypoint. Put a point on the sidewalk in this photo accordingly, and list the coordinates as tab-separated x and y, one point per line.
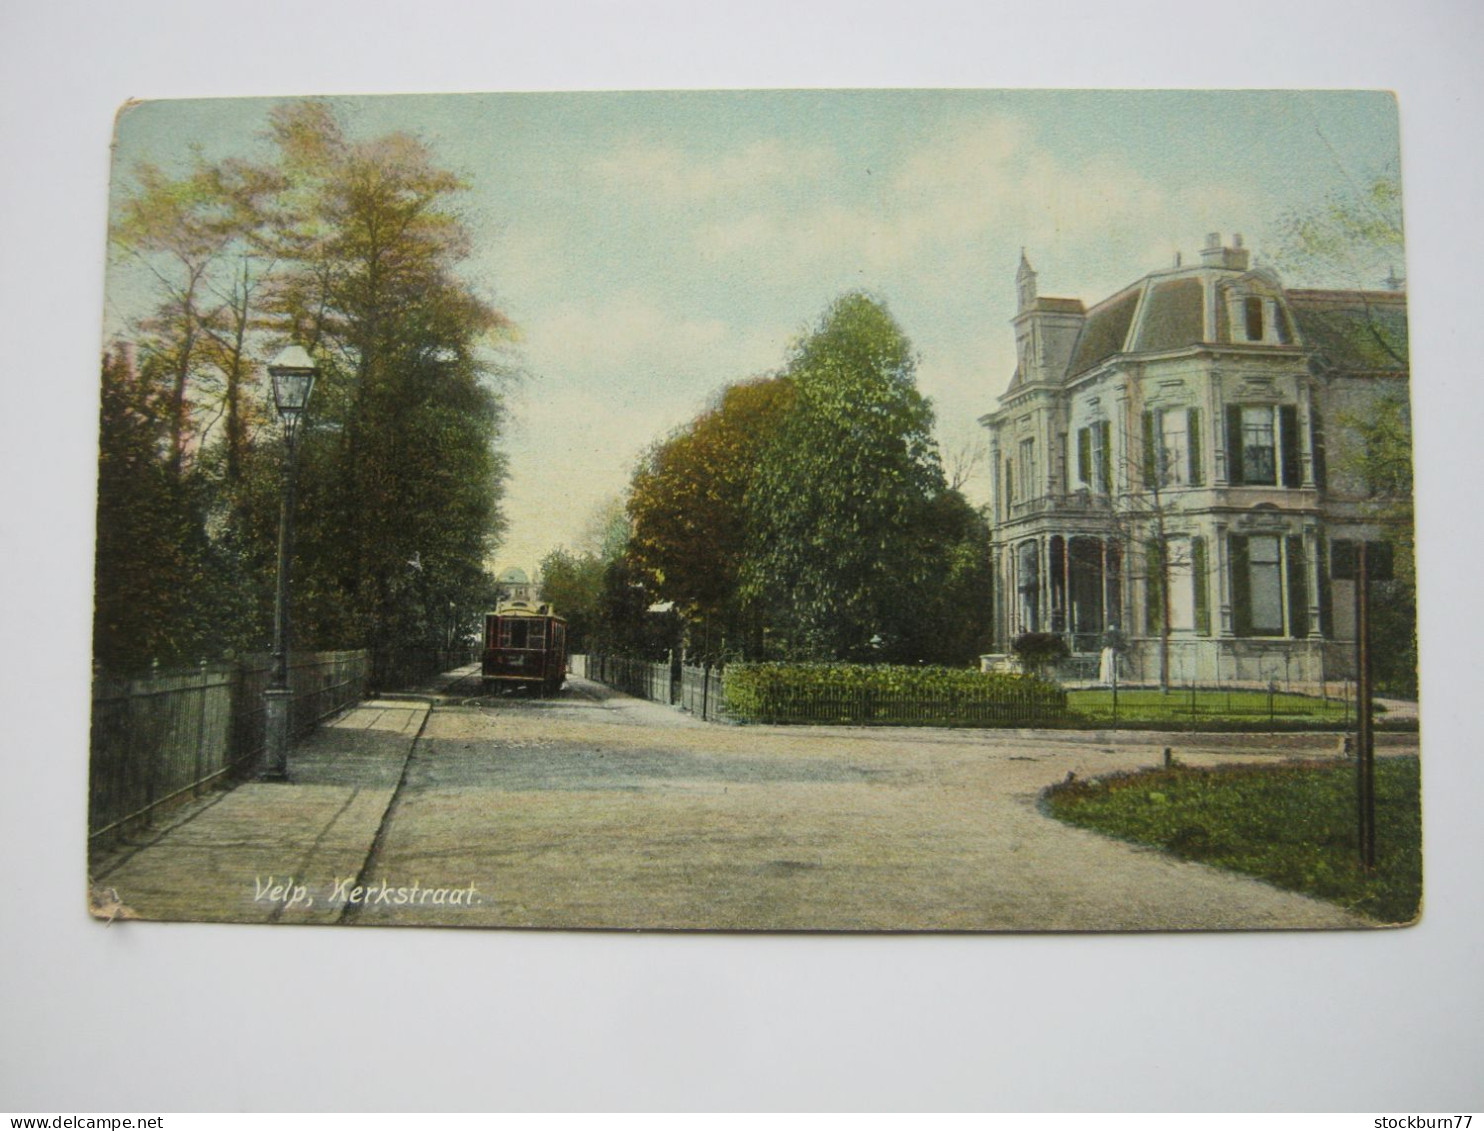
270	851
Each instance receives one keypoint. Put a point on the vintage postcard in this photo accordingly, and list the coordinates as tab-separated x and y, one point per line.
897	510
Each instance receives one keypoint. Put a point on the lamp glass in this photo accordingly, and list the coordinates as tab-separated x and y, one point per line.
291	388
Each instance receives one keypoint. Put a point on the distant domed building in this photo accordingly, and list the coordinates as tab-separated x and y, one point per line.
515	585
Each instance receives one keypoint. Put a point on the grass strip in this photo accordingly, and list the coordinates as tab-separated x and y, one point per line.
1293	825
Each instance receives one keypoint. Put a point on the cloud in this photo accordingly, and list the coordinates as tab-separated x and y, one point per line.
669	175
628	342
971	191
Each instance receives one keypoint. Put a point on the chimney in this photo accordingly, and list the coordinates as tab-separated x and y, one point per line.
1235	258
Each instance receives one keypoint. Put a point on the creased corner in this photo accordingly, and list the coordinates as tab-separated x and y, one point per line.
104	903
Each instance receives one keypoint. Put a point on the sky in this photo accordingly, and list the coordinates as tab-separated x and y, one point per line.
653	247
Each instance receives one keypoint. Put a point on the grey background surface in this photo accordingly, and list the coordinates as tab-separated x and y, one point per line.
175	1017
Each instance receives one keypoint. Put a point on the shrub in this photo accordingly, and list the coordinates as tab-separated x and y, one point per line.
885	694
1038	651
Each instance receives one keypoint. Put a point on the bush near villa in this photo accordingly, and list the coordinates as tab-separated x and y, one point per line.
886	695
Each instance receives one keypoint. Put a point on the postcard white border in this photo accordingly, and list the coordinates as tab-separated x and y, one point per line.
129	1018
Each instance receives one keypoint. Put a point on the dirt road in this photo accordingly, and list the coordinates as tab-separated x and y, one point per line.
596	810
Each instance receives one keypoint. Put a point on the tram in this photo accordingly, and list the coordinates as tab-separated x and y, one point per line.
525	645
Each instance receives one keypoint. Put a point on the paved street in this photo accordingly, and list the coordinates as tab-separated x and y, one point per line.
593	809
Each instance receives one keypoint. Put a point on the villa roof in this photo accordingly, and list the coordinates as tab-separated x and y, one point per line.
1362	331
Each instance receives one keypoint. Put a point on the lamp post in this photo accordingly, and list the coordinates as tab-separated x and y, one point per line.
293	372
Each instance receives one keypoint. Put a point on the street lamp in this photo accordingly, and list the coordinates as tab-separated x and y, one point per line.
293	372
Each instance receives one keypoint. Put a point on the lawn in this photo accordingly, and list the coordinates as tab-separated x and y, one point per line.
1208	709
1292	825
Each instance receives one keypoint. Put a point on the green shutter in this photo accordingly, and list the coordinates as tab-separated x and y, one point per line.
1084	456
1202	586
1326	591
1149	454
1298	588
1193	443
1316	446
1105	461
1009	486
1241	586
1293	469
1234	444
1154	603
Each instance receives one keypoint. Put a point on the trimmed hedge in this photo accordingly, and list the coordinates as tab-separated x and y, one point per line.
886	695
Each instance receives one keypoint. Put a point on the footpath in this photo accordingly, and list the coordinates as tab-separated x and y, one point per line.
270	851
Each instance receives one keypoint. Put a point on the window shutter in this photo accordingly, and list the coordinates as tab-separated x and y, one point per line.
1105	461
1193	446
1202	586
1316	447
1241	586
1149	453
1298	589
1326	592
1009	485
1154	602
1234	443
1084	456
1293	475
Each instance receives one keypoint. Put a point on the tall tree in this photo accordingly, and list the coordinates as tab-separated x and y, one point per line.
835	505
1351	239
150	598
687	502
179	230
410	485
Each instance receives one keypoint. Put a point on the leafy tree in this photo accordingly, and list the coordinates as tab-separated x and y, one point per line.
687	503
1352	238
1383	460
152	558
352	249
952	618
405	506
572	583
835	565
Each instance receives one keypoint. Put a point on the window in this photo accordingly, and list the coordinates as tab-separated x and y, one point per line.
1173	450
1028	466
1270	590
1252	309
1095	457
1265	574
1172	447
522	633
1263	445
1183	565
1259	446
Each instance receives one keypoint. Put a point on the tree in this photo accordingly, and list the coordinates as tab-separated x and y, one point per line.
371	247
1352	238
150	604
572	583
1383	461
834	567
688	506
353	249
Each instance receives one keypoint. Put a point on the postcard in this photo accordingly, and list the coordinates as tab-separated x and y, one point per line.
882	510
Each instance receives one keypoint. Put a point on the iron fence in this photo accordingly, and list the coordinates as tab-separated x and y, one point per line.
396	668
154	741
641	678
701	692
